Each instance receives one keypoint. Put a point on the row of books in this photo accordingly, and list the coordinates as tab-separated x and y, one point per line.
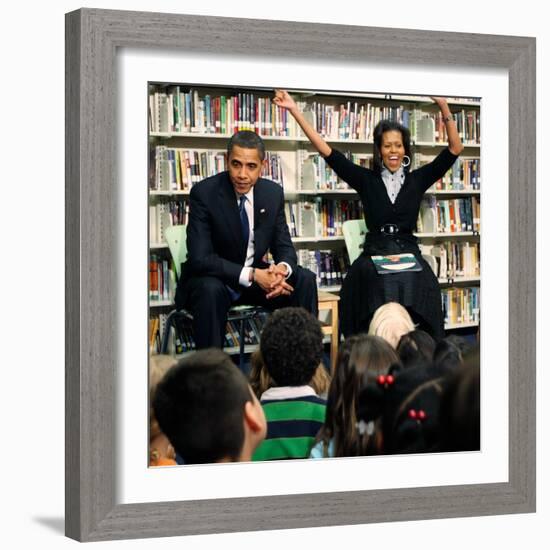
177	169
467	123
449	215
464	174
454	259
162	279
317	175
460	305
165	214
177	110
330	266
356	121
320	217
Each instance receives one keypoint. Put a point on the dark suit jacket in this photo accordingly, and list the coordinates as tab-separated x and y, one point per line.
214	237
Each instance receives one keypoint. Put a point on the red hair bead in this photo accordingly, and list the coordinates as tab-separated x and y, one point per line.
412	414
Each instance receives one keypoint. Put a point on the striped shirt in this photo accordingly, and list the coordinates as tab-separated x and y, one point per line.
294	416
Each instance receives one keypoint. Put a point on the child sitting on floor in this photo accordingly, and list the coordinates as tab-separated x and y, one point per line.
362	365
291	346
208	411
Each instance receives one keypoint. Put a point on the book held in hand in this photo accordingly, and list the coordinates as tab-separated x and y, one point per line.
396	263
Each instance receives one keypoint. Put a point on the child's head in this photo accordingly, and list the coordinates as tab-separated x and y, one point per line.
390	321
159	365
361	360
260	381
291	345
416	347
411	412
160	450
208	411
460	406
449	352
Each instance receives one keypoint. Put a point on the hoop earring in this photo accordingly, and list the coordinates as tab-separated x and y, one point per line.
408	163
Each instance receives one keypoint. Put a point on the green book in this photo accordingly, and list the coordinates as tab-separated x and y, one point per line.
396	263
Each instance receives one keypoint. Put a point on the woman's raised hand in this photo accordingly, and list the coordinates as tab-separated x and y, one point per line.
441	101
283	99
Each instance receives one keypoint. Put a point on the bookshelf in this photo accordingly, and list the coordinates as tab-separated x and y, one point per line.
188	131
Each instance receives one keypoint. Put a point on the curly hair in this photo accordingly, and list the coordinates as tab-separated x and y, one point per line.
291	345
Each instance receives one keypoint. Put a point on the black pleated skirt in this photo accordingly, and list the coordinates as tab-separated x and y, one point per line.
364	290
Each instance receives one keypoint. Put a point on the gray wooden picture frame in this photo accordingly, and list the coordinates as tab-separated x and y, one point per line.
92	39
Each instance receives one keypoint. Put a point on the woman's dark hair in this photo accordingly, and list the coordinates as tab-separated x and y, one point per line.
416	347
199	405
388	126
361	359
291	345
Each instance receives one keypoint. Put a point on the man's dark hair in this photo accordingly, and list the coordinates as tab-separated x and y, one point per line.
199	405
247	140
387	126
292	346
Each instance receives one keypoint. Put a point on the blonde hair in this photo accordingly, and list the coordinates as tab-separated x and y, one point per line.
391	321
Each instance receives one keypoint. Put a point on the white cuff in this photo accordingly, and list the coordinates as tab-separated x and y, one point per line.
244	277
288	270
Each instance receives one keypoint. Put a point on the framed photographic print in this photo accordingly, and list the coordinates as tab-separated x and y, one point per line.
110	55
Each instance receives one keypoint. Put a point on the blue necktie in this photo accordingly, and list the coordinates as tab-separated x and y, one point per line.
244	219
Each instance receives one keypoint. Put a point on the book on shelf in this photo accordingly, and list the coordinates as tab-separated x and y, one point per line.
317	175
183	110
460	305
179	110
154	336
330	266
178	169
454	259
165	214
395	263
449	215
464	174
162	279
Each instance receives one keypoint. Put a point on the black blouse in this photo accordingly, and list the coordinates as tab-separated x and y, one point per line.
377	205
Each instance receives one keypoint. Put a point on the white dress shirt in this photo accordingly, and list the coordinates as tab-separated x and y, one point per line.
393	182
244	277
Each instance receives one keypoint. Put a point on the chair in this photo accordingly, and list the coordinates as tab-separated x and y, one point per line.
354	235
176	237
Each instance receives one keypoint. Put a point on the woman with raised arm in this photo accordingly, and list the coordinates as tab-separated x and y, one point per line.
391	195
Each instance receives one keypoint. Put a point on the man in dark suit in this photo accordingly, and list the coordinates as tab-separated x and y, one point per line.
235	218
